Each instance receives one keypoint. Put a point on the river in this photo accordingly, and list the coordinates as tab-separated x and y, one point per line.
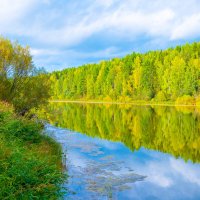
128	152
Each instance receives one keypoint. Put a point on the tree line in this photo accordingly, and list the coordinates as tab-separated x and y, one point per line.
162	75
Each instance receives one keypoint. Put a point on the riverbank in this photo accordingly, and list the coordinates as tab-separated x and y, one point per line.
136	103
30	163
118	151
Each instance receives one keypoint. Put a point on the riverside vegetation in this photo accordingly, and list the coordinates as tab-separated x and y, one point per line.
170	75
30	163
21	84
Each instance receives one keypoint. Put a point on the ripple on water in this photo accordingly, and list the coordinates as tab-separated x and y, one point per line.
101	176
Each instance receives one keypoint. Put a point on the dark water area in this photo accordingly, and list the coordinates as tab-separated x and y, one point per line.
128	152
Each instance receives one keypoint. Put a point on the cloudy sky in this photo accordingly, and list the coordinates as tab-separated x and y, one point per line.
65	33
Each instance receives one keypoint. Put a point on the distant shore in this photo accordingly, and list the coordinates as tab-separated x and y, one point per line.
137	103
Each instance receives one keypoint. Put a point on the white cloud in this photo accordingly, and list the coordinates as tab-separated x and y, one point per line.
188	172
45	52
127	20
108	52
130	23
188	28
159	175
11	12
104	3
57	57
64	24
121	22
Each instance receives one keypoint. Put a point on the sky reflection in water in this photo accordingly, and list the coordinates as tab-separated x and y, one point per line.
102	169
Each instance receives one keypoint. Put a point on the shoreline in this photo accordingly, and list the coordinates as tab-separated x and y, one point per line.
22	141
171	104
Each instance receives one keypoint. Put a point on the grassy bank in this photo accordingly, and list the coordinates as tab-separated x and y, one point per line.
30	163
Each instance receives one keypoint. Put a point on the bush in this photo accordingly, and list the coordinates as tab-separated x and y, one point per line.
107	99
185	100
30	163
21	84
197	101
24	130
25	176
124	99
160	96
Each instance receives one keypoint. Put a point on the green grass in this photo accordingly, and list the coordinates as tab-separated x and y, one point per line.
30	163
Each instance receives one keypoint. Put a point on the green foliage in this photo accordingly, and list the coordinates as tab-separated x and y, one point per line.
160	96
21	84
33	94
185	100
24	130
30	163
158	75
197	101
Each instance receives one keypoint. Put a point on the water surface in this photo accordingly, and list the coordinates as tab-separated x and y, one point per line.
127	152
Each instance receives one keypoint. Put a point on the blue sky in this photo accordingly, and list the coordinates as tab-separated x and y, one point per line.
66	33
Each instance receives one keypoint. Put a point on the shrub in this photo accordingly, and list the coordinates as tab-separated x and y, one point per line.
124	99
24	130
21	84
24	175
185	100
160	96
107	99
197	100
30	163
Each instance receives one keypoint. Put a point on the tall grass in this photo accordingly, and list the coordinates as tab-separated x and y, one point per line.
30	163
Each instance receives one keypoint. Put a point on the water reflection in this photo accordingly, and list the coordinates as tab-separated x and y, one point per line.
101	170
166	129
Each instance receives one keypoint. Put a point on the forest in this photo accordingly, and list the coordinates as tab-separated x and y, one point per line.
171	75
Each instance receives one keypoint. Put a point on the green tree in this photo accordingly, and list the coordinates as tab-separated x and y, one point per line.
21	84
